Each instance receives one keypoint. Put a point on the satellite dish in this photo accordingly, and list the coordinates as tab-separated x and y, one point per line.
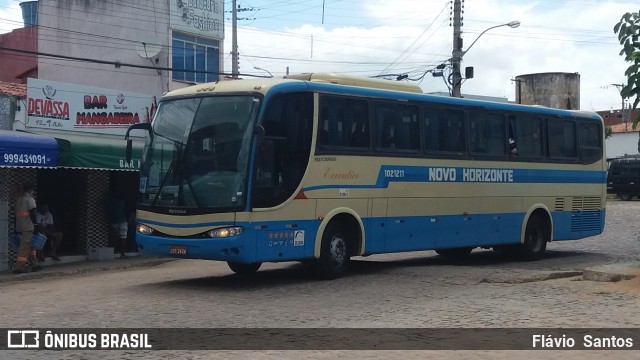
148	49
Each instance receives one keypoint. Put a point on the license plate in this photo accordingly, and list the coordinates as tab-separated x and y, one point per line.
178	250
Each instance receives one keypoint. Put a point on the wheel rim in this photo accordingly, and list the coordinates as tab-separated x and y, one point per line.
338	249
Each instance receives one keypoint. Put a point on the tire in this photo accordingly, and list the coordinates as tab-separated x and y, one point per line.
334	253
536	236
625	197
243	269
454	253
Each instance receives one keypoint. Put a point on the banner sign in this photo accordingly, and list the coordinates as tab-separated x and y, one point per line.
202	17
19	149
63	106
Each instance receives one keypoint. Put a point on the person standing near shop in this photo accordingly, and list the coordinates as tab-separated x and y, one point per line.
26	225
118	223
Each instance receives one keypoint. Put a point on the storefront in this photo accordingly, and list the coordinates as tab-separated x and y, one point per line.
77	180
22	157
89	172
72	149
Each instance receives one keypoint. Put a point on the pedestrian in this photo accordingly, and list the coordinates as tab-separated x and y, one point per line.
26	225
118	223
45	220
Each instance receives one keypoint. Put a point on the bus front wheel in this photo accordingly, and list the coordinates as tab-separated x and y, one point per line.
243	269
334	253
536	236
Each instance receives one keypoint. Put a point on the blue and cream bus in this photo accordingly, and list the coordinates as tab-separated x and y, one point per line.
325	167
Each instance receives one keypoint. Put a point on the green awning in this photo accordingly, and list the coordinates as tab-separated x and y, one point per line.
97	152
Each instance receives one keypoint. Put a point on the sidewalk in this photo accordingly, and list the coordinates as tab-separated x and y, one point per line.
71	265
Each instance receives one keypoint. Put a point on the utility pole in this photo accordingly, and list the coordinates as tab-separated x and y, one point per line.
456	56
625	120
234	40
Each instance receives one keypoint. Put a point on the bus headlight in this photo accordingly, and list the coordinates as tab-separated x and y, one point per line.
144	229
226	232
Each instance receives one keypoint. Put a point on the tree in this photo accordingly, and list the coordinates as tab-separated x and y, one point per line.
628	30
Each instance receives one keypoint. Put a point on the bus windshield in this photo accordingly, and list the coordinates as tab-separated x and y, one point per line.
198	155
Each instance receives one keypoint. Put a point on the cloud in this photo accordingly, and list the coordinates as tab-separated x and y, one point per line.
568	36
413	36
10	16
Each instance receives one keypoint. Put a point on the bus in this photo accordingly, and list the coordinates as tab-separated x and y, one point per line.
322	167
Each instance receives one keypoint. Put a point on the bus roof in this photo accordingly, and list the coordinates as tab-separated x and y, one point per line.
361	85
360	81
263	84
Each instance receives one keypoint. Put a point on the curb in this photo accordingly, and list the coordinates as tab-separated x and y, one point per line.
522	278
613	272
82	270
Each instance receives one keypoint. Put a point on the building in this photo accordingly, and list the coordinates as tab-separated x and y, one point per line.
87	71
554	89
624	140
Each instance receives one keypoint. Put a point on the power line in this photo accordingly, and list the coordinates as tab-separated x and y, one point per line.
118	64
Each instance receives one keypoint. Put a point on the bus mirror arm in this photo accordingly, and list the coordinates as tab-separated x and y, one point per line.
144	126
128	151
258	131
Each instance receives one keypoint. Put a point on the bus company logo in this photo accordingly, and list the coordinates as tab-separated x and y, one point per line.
120	98
23	339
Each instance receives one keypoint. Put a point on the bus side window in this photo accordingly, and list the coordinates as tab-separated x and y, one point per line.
388	132
360	133
441	133
477	136
431	131
284	151
561	138
323	127
589	141
407	130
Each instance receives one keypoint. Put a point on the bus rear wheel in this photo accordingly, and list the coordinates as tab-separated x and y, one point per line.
536	236
454	253
243	269
334	253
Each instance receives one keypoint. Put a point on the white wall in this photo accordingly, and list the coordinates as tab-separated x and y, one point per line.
620	144
104	30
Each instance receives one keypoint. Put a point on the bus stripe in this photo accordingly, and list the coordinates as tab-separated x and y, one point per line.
439	174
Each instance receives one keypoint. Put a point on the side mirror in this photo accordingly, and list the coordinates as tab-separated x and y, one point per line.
143	126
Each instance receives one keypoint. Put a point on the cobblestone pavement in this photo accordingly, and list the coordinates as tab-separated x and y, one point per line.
400	290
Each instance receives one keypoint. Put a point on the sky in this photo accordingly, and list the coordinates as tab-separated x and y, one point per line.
378	37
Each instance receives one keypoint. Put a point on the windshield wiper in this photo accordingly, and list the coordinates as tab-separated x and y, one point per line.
179	147
178	170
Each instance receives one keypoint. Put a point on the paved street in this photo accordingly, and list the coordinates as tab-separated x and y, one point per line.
400	290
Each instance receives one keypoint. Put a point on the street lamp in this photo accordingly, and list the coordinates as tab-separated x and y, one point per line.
267	71
458	54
